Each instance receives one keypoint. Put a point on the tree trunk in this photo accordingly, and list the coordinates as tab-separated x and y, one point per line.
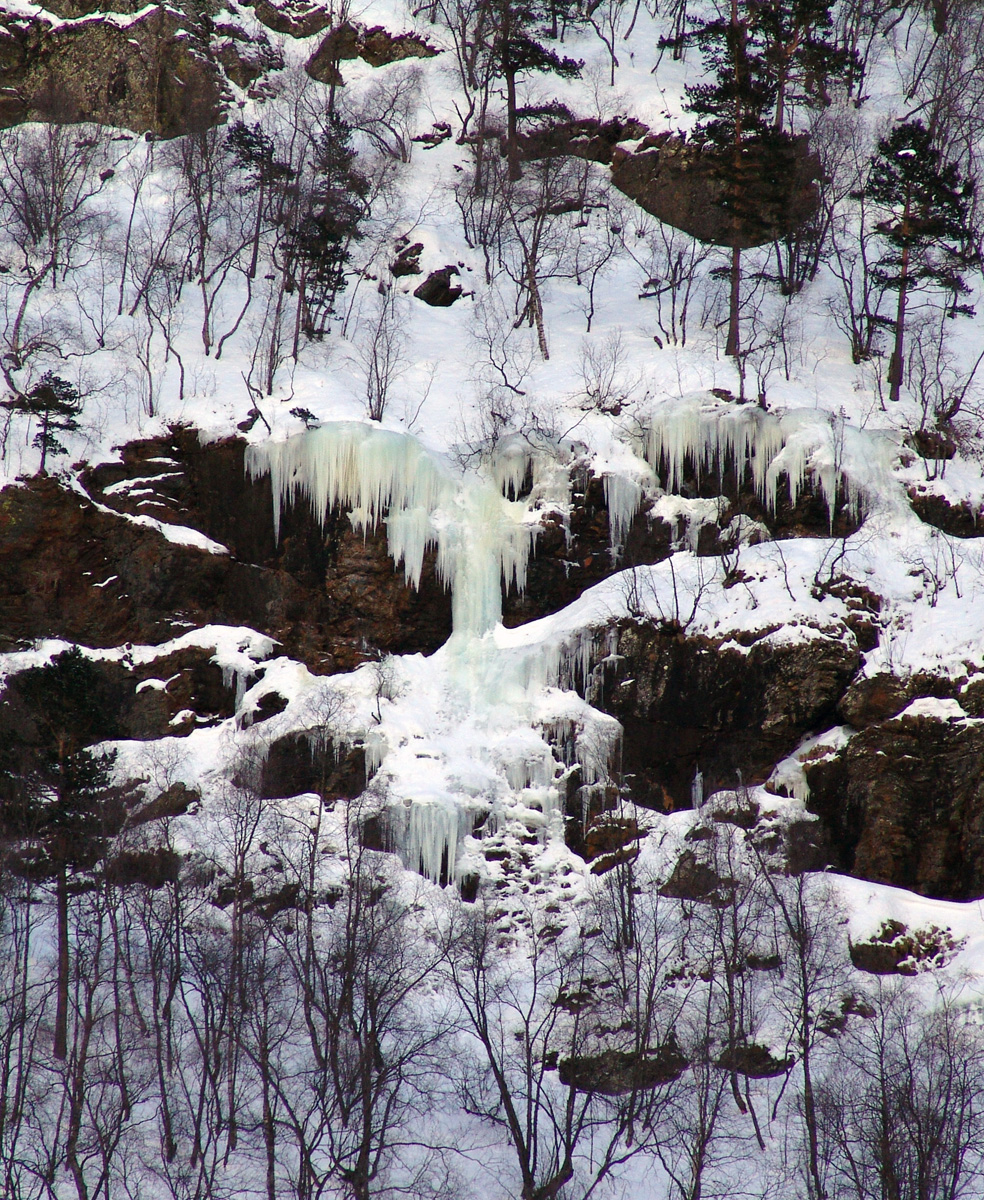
734	305
61	1001
895	362
512	147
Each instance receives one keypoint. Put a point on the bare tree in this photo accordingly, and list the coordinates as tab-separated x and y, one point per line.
380	348
52	176
899	1105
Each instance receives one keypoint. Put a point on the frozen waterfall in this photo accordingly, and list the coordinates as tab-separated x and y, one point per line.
713	435
482	539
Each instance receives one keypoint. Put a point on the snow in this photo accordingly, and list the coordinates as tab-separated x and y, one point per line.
476	746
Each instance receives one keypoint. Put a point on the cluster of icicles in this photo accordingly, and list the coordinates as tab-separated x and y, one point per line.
713	436
483	541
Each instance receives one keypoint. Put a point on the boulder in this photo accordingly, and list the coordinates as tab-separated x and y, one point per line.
893	950
754	1061
437	290
683	184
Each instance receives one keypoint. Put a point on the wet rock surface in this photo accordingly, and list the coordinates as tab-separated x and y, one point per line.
904	804
690	703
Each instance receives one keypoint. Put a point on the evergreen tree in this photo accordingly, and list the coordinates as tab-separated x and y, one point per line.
734	109
56	403
255	154
802	55
56	804
927	234
518	49
328	224
756	54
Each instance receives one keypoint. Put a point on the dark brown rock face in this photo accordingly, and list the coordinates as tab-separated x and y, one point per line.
683	184
150	73
961	520
904	804
570	558
329	596
689	703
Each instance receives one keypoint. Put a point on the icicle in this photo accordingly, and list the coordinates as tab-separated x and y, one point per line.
697	790
375	747
712	436
623	496
511	463
429	839
231	673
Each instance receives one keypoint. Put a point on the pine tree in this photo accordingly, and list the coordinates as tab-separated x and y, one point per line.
255	154
927	233
56	403
802	54
329	223
756	54
733	109
55	797
518	49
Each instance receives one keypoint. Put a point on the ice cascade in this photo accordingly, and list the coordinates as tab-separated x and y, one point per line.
482	539
491	729
713	436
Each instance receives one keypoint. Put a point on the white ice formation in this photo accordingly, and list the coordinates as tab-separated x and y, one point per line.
379	475
490	737
713	435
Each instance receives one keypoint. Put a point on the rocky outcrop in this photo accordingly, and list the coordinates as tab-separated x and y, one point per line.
293	18
904	801
151	72
962	520
893	950
245	58
618	1072
754	1061
75	567
376	46
295	764
684	184
590	138
690	703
